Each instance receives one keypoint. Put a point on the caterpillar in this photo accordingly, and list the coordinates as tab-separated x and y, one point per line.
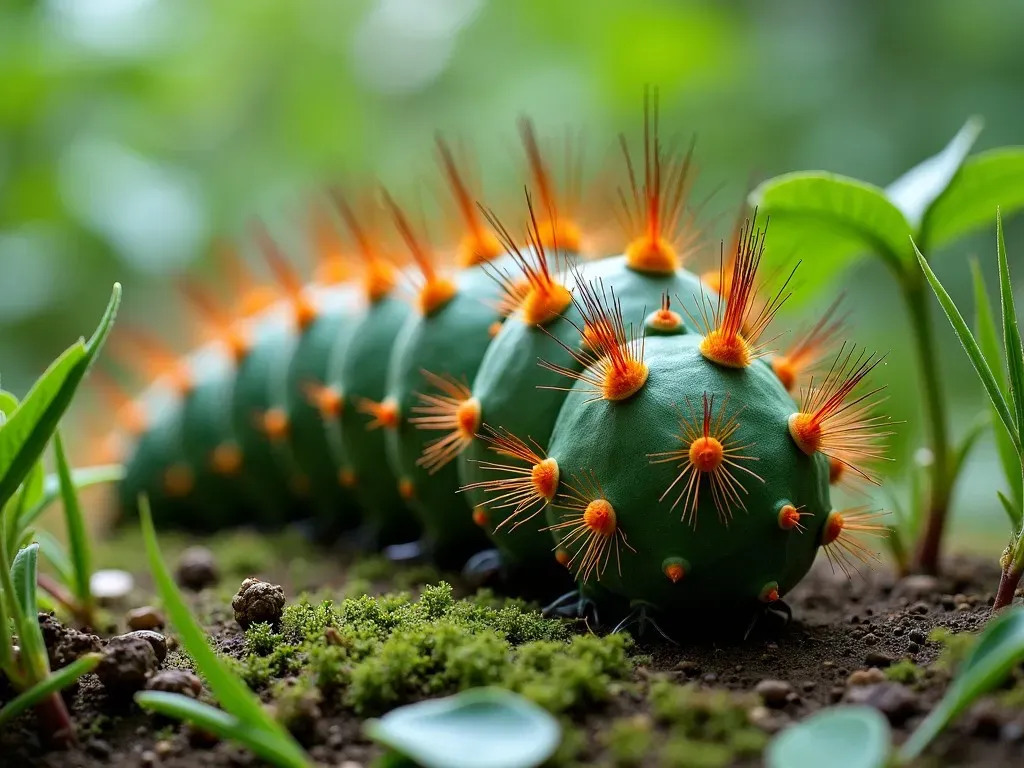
524	402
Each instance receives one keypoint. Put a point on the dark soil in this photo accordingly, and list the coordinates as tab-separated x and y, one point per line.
846	641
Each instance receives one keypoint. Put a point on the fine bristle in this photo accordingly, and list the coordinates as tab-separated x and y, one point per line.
612	357
332	267
708	451
251	295
137	348
518	488
811	348
286	275
843	538
450	409
383	415
217	323
559	208
379	277
478	243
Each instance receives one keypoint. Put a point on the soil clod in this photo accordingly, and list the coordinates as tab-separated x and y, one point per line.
127	663
257	601
146	617
197	569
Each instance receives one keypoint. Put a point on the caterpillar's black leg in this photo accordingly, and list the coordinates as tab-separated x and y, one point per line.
572	605
482	566
779	608
641	618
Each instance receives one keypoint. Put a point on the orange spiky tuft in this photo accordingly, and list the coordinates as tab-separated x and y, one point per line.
480	516
219	325
589	528
478	244
274	424
332	268
454	411
789	518
327	399
305	312
842	537
652	211
558	228
385	414
252	296
708	450
538	295
437	289
665	319
807	352
612	357
836	420
379	277
406	489
769	592
527	484
158	361
674	571
732	338
226	459
129	413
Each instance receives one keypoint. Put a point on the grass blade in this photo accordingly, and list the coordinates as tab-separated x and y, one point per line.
53	551
1011	332
222	725
78	539
234	696
970	345
24	573
1012	511
54	682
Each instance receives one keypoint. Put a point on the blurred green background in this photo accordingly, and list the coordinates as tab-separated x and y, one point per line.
132	132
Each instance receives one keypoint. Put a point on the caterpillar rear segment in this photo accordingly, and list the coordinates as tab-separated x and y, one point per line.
618	422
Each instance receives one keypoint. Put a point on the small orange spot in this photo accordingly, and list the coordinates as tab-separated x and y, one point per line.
665	319
480	516
494	328
836	470
562	558
624	382
435	293
385	414
789	518
786	371
675	572
379	280
178	480
347	478
237	341
275	423
833	529
406	489
467	415
479	244
305	312
652	254
599	517
226	459
806	432
706	454
544	476
328	400
769	593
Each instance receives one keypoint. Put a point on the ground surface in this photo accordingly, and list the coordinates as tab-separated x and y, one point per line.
700	703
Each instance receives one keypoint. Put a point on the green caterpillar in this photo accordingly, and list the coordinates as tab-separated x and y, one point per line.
617	421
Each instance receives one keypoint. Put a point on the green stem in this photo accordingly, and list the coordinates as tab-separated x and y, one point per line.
942	473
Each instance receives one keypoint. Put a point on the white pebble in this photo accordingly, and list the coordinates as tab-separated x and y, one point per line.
111	584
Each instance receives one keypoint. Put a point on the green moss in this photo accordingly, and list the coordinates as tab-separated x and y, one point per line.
372	568
682	752
260	639
955	646
629	741
904	671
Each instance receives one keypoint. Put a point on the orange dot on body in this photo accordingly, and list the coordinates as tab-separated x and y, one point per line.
275	423
806	432
789	517
562	558
379	280
655	255
599	517
226	459
406	489
770	595
706	454
544	477
347	478
675	572
562	234
329	401
494	328
479	247
728	350
435	293
833	528
786	372
178	480
666	320
836	470
467	416
480	516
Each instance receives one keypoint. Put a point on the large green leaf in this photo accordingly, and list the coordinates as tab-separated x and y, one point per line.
478	728
916	190
53	683
841	737
986	181
26	433
999	649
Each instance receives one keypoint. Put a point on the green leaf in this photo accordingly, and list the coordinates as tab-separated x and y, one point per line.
968	441
970	345
53	551
223	725
1012	511
24	570
231	692
1011	332
833	218
840	737
78	538
986	181
83	477
24	574
478	728
999	649
916	190
53	683
26	433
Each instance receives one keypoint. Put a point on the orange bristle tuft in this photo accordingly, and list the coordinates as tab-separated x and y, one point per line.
674	572
732	337
720	278
252	297
612	358
226	459
590	528
708	450
406	489
480	516
158	361
437	289
652	212
453	410
665	318
528	483
841	537
789	518
558	228
332	268
220	326
379	277
836	421
537	295
807	352
328	400
478	244
287	277
385	414
274	423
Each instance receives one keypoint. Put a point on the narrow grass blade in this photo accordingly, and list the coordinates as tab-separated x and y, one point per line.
82	477
968	441
222	725
24	573
53	551
55	682
6	641
78	539
970	345
1011	332
230	691
1012	511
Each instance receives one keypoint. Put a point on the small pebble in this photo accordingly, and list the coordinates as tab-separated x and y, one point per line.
774	693
871	639
163	748
710	678
895	701
258	601
877	659
919	608
98	748
913	647
175	681
866	677
917	586
126	664
918	636
767	720
808	685
688	668
155	639
111	585
148	758
197	569
146	617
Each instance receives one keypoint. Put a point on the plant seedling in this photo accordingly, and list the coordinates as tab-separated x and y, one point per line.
859	737
25	431
1005	393
838	218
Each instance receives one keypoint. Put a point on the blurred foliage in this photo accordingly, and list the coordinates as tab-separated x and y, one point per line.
133	132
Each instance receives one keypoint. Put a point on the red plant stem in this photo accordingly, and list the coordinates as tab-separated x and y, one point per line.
1007	587
55	722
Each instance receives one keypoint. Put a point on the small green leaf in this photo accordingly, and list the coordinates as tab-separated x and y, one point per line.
1012	511
24	574
916	190
83	477
970	345
1011	332
999	649
986	181
53	551
24	570
478	728
840	737
223	725
54	682
78	538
